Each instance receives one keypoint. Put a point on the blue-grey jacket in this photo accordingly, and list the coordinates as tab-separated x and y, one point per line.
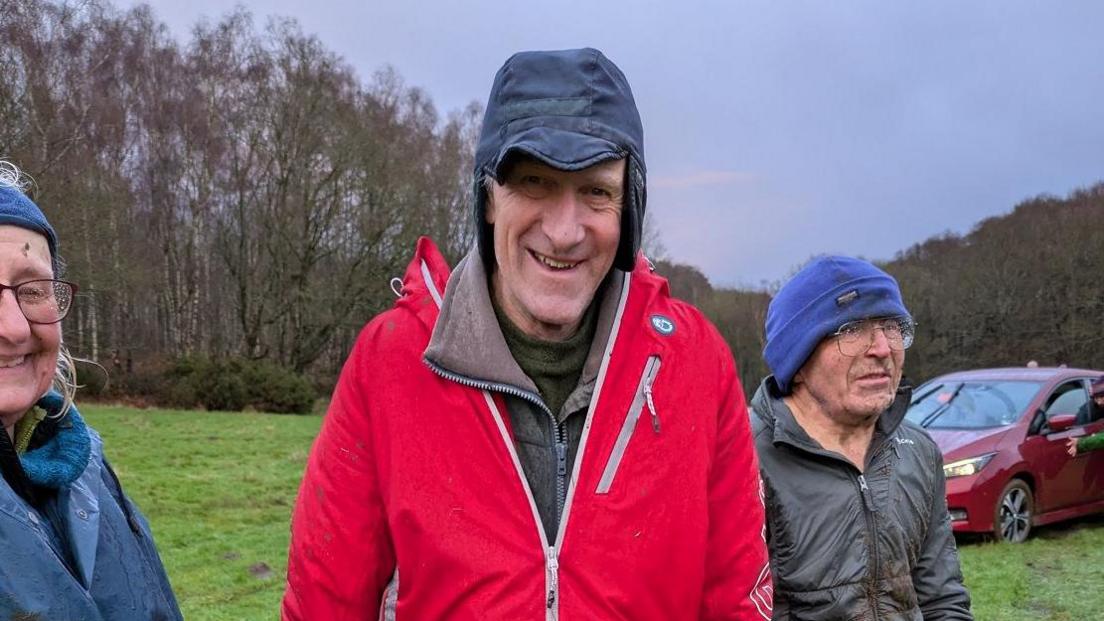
98	564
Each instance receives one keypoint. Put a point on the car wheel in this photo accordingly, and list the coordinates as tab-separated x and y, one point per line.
1014	512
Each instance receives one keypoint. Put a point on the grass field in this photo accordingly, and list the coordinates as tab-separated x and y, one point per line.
218	490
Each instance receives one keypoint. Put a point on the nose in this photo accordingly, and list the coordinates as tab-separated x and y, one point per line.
14	327
562	223
879	346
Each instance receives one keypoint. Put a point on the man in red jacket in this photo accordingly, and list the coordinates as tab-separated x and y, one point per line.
543	433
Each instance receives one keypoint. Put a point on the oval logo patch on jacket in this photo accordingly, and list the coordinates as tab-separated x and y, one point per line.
663	325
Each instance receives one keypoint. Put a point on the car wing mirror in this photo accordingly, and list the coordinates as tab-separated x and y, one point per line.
1061	422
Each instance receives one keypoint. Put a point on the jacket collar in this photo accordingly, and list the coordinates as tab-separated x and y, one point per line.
769	406
468	341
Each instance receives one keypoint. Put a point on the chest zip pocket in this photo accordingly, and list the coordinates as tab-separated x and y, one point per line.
642	397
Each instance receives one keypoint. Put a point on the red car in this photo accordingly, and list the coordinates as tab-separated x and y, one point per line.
1003	434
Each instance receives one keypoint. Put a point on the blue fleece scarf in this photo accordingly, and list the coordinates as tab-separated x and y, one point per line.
65	456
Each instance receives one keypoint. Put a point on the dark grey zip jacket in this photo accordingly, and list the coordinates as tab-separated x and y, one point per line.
849	545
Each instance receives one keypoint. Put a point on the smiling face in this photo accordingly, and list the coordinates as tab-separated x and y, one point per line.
28	352
851	390
555	238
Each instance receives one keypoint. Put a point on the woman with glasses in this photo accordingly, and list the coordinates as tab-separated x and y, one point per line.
72	545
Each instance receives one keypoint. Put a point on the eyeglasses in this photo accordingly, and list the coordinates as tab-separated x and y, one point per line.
855	337
43	301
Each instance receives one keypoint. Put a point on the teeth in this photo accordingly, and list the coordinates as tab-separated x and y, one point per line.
552	263
7	362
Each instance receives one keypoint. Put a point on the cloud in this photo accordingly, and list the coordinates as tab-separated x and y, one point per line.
702	178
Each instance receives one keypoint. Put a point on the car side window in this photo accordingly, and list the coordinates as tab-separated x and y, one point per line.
1068	398
1093	412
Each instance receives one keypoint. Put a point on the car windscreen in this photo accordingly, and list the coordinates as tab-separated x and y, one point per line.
971	405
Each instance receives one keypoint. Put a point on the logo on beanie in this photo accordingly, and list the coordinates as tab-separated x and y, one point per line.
663	325
847	298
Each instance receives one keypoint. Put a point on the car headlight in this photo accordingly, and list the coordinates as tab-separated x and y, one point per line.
966	467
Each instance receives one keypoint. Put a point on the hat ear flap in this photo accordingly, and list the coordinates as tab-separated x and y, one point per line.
484	232
632	216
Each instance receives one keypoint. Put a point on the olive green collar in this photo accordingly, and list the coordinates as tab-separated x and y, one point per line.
25	428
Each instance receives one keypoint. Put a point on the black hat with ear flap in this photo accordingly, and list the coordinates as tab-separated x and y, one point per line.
568	109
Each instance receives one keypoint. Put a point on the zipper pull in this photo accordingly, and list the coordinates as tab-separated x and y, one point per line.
864	493
561	459
651	404
553	577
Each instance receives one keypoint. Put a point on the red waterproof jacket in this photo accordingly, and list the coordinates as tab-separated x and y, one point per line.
414	505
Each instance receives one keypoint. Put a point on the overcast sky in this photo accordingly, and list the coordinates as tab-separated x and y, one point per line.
778	130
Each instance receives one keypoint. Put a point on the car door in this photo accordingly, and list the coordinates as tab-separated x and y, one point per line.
1093	477
1060	479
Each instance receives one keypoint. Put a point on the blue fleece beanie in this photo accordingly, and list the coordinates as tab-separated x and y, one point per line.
827	293
18	210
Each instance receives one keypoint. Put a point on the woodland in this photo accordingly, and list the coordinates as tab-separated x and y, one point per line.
233	208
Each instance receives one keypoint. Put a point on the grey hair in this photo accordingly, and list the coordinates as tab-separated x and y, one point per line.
65	371
65	380
489	183
12	177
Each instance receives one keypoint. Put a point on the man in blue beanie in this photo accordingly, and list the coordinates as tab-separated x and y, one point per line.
543	433
856	509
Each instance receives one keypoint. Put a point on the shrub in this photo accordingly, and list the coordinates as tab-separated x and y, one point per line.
234	384
272	388
202	382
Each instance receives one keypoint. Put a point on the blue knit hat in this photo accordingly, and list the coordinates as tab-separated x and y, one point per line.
18	210
827	293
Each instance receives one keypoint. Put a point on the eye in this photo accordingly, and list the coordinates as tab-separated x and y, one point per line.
33	292
599	196
531	184
892	326
851	329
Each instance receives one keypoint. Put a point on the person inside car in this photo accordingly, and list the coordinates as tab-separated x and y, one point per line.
1093	410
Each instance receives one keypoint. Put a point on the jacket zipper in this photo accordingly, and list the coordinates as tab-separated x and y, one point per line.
642	397
552	568
561	469
551	552
868	512
648	396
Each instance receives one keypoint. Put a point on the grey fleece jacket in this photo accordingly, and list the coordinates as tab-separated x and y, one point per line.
849	545
467	342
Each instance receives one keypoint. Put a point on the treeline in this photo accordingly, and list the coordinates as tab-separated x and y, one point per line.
1024	286
233	209
242	196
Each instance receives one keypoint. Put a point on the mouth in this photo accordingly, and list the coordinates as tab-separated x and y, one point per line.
876	376
553	264
9	362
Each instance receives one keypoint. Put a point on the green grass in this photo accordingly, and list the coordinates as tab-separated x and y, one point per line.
1056	575
218	489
